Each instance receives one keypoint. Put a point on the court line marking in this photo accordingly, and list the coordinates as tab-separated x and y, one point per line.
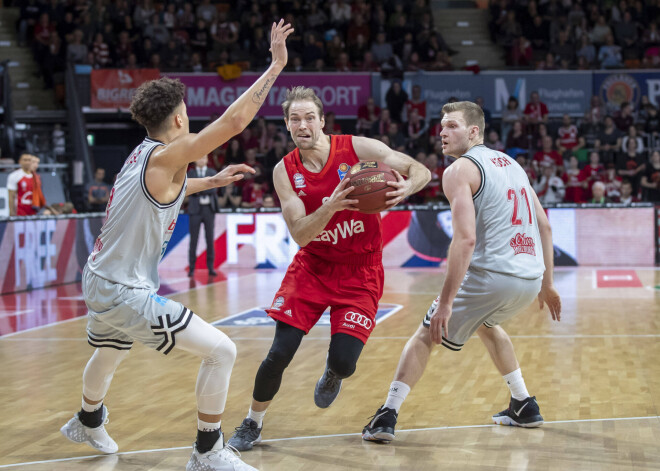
176	293
335	435
594	336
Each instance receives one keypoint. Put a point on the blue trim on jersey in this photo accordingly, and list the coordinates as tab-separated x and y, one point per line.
180	232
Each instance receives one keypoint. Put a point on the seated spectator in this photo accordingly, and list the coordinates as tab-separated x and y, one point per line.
442	62
432	192
591	173
248	139
487	115
572	183
521	52
269	201
98	192
415	131
612	182
549	63
547	156
416	102
254	190
343	64
234	153
626	196
493	141
563	49
549	187
631	164
251	160
538	33
568	138
609	55
230	196
510	115
397	139
396	99
627	36
600	32
632	135
76	51
608	142
536	112
587	50
624	118
331	126
516	141
381	126
598	194
367	115
527	167
651	179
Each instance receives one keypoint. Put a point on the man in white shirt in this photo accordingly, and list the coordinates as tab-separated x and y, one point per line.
202	207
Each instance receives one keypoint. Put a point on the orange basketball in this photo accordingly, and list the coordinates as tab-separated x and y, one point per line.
369	178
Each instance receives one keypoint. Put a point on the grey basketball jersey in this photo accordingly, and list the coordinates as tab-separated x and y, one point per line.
137	228
508	239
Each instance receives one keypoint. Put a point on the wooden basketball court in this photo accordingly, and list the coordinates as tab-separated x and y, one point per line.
596	376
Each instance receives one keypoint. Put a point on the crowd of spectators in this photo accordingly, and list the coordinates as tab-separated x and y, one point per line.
568	34
196	36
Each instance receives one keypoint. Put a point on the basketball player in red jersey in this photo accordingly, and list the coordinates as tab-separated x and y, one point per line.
20	186
339	264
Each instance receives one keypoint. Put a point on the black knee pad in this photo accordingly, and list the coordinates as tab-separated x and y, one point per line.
269	376
343	354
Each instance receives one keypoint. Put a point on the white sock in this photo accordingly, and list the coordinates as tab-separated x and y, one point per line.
91	407
396	395
258	417
516	384
207	426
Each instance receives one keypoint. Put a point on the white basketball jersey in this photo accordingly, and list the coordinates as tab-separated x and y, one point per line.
508	239
137	228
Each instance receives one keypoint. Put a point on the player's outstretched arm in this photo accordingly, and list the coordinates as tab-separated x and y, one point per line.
229	174
191	147
548	294
304	228
418	175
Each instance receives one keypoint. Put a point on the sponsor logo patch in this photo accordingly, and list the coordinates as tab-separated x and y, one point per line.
359	319
522	244
258	317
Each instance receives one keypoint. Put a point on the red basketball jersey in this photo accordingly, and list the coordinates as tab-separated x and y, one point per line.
349	233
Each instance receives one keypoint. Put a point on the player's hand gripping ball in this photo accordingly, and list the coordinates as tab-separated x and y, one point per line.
370	181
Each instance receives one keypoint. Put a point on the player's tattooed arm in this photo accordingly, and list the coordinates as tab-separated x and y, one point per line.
260	95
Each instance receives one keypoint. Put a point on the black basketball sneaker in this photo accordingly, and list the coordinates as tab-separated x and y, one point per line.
381	427
523	413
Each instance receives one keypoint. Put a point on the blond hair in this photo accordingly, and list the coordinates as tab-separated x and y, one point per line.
301	94
472	114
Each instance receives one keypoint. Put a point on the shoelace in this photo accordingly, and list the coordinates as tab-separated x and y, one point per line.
331	382
242	430
234	455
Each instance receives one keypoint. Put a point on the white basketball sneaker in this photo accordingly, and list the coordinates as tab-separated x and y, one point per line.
218	458
97	437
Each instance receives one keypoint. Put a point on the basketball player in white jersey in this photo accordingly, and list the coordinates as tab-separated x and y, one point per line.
120	280
499	260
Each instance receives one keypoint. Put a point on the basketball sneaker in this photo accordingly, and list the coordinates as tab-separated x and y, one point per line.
97	438
245	435
381	427
521	414
219	458
327	388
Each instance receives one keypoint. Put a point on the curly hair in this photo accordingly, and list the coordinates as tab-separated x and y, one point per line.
155	100
301	94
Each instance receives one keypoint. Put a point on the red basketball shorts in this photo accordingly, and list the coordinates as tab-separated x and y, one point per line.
352	291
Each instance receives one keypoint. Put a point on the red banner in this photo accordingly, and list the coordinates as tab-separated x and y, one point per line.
114	88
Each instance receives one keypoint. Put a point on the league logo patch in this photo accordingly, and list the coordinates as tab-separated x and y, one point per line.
343	170
277	304
299	180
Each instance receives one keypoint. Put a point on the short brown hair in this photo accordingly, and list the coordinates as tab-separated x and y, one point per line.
472	113
155	100
301	94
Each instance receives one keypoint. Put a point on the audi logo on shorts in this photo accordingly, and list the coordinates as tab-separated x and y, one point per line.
359	319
